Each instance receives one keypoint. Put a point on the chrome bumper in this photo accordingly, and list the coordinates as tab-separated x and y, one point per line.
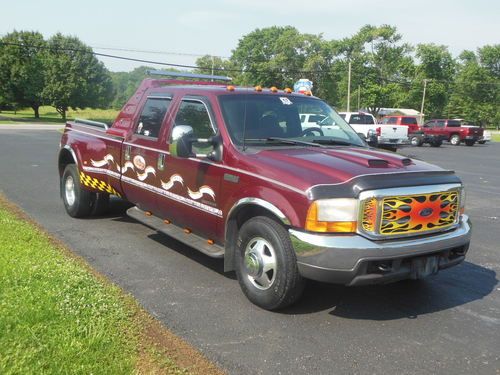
356	260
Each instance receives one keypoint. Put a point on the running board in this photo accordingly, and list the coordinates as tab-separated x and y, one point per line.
191	239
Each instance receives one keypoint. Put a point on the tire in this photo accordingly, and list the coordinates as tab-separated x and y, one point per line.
416	141
264	243
469	142
77	201
436	143
99	203
455	139
481	142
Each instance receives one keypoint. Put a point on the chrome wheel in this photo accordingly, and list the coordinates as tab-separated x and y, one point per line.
69	190
260	263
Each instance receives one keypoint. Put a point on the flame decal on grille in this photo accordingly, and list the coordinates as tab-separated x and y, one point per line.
369	215
418	213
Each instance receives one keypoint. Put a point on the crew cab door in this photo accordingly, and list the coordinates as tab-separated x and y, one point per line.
191	186
141	154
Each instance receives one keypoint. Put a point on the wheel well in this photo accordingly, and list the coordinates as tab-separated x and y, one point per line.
233	225
65	158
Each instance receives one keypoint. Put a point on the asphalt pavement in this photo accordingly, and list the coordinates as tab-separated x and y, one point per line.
449	323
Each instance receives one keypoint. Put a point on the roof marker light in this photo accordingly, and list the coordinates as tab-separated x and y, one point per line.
274	89
258	88
230	88
288	90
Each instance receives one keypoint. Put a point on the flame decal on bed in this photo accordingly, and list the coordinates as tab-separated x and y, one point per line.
203	190
170	183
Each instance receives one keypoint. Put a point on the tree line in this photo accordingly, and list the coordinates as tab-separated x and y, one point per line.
385	72
61	72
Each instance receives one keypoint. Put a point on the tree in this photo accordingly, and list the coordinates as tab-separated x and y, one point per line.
22	76
74	76
213	65
476	88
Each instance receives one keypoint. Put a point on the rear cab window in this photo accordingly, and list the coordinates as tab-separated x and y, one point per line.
152	116
409	121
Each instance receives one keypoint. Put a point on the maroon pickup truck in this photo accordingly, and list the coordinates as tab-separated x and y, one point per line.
232	172
452	131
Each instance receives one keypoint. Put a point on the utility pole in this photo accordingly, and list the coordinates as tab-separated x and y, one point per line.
359	97
213	63
423	101
349	88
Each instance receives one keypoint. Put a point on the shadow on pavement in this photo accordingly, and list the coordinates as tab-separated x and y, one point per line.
406	299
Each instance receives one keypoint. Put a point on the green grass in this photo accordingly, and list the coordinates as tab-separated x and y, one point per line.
495	137
50	115
59	317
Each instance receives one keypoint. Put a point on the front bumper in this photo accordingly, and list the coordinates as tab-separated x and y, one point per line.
356	260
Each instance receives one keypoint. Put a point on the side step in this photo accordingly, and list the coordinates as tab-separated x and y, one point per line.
193	240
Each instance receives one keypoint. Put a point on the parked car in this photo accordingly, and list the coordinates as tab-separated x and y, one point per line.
233	173
453	131
415	133
486	134
377	135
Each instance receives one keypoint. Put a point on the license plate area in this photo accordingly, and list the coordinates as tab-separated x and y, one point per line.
424	266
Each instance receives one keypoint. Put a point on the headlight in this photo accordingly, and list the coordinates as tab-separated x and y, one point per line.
333	215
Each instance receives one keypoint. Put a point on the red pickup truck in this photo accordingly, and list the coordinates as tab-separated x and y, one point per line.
232	172
416	135
452	131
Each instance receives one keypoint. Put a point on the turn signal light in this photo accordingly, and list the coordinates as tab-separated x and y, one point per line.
314	225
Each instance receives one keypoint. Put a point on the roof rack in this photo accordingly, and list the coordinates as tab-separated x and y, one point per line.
167	73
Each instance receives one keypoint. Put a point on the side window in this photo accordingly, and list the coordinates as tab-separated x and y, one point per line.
152	116
392	120
440	124
195	114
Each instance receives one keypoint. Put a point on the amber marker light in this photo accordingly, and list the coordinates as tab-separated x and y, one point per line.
258	88
148	213
230	88
166	221
288	90
210	242
187	230
274	89
332	215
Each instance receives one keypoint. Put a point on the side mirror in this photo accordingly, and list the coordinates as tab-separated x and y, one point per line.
182	141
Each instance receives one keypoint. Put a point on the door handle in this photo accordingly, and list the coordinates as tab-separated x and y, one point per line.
161	162
127	152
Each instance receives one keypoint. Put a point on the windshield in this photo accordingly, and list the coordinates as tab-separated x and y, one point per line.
261	118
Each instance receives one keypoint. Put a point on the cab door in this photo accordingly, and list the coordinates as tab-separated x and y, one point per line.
191	186
141	154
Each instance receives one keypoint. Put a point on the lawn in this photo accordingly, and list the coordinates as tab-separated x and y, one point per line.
59	316
50	115
495	137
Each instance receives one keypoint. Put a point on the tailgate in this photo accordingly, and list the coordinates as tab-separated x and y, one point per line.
393	131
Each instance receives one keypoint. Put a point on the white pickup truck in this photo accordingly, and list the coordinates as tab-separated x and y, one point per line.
388	137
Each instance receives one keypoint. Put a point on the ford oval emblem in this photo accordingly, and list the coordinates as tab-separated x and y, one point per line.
426	212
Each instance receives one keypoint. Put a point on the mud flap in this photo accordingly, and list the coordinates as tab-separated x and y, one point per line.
423	267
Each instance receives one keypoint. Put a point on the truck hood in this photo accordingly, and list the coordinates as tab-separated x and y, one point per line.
306	167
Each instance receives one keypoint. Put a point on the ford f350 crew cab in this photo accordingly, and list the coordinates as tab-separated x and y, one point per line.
231	172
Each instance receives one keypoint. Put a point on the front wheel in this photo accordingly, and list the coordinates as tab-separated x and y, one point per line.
416	141
266	265
455	140
469	142
77	201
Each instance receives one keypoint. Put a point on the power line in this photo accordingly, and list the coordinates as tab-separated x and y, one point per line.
159	52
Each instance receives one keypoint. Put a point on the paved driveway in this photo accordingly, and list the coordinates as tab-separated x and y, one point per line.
449	323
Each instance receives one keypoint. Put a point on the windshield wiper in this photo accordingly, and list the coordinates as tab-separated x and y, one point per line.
334	142
284	140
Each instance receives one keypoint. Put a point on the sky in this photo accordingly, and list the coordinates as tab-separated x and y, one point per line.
184	30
